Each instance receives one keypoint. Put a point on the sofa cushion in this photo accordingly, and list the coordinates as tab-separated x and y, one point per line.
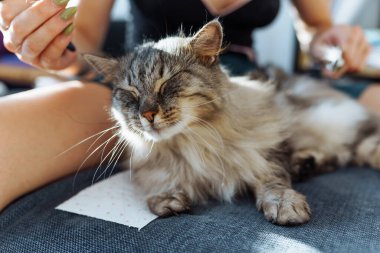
345	206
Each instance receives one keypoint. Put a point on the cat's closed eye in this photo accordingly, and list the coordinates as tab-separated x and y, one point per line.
169	85
163	88
131	93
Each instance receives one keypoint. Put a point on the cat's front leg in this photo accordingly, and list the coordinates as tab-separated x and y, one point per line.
281	204
169	203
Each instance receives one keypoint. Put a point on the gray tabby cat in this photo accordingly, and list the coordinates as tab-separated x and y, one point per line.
194	133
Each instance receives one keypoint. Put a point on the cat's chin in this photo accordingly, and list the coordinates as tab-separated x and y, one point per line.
163	133
158	135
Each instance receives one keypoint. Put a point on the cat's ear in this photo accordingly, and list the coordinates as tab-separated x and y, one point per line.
207	42
104	66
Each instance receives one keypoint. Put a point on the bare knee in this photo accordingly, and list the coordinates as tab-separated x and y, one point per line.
83	102
41	131
370	98
79	92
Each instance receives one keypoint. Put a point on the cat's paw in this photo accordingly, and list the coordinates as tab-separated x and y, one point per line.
167	204
285	207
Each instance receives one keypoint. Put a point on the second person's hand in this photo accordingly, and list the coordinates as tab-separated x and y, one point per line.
350	39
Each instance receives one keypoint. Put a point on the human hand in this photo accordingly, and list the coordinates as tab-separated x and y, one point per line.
352	42
38	32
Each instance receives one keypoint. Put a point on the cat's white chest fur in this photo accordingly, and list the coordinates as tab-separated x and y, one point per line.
189	162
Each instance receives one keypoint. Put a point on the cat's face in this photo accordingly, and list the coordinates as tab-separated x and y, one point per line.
163	88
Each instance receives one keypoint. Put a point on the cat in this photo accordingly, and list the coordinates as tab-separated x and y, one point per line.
195	133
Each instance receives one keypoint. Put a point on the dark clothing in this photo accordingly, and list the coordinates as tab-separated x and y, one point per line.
154	19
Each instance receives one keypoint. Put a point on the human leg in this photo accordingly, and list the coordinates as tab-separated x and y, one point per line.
38	131
371	98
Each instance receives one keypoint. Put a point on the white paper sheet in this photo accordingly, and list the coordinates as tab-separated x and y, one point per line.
114	199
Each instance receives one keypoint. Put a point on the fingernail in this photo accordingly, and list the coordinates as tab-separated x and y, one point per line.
71	47
69	29
68	13
61	2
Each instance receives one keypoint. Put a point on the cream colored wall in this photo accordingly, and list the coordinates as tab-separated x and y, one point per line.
275	44
363	12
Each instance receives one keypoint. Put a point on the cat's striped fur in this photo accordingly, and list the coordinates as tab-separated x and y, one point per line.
195	133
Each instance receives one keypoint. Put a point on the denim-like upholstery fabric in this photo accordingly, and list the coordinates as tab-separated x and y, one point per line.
346	218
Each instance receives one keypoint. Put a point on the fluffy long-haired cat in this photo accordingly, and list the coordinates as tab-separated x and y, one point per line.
194	133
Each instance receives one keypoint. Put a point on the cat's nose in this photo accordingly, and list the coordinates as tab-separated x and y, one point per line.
149	115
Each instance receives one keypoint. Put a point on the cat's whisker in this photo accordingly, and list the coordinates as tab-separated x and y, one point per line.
119	152
104	144
104	147
103	159
101	133
138	131
115	127
130	163
116	151
150	151
113	150
125	145
92	153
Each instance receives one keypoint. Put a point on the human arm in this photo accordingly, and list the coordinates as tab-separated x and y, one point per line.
350	39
